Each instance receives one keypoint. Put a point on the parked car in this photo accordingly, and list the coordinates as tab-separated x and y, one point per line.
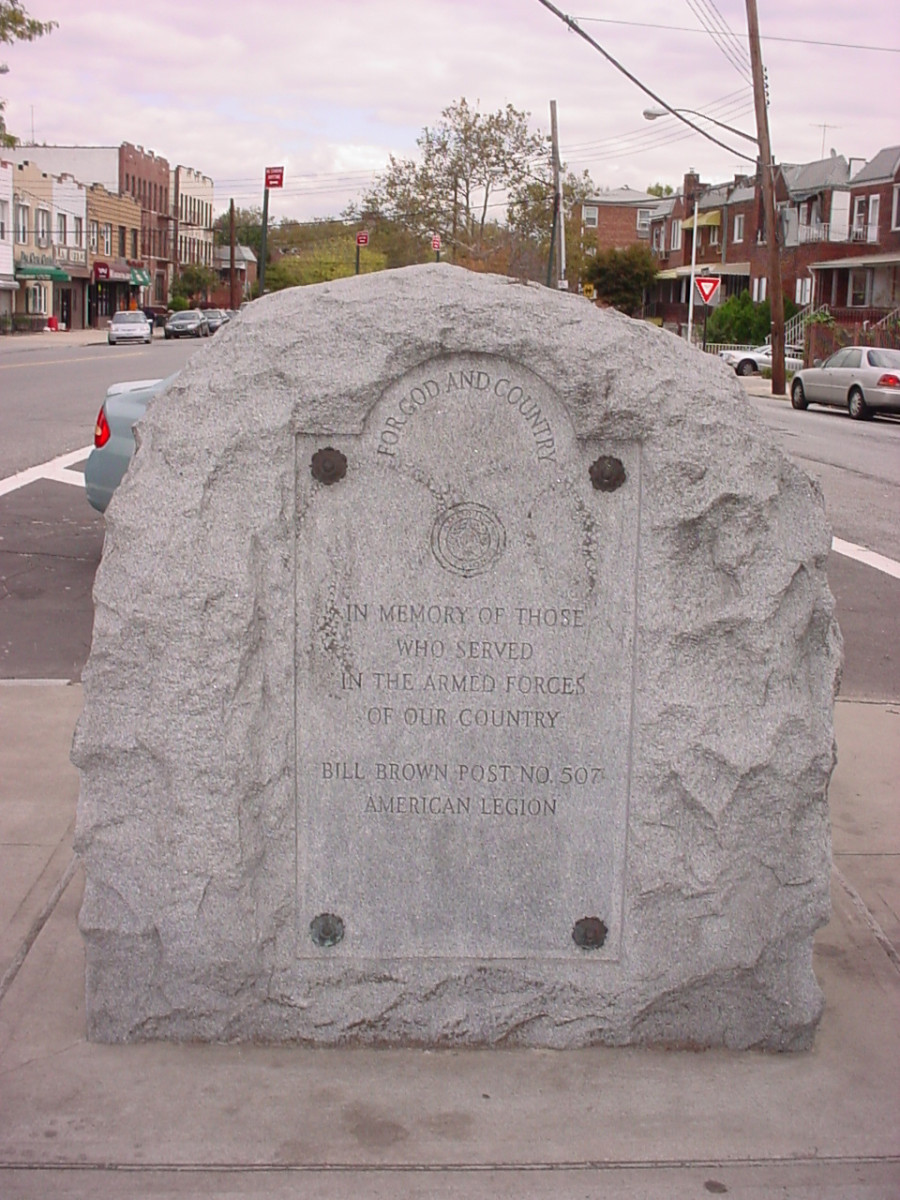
862	379
129	327
216	318
123	407
751	362
189	323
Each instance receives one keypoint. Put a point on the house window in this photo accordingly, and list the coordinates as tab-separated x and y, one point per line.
590	216
714	235
121	241
895	208
4	219
738	228
859	218
43	227
78	231
134	244
803	291
858	289
60	229
759	289
676	235
22	218
107	239
94	234
874	214
643	220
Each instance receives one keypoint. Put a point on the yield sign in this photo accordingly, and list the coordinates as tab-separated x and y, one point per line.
707	286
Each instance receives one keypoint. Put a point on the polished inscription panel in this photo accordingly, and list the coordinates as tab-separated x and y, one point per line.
465	616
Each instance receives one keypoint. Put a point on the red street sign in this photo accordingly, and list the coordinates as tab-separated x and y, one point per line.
436	242
274	177
707	286
362	239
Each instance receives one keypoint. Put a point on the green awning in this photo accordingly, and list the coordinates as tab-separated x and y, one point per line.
140	277
27	271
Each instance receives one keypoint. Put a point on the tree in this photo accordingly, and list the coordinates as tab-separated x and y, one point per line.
247	228
620	277
739	321
660	189
466	160
192	280
17	26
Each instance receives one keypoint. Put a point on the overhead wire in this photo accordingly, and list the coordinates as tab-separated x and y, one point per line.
717	28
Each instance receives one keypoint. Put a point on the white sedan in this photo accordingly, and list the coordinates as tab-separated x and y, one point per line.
129	327
751	362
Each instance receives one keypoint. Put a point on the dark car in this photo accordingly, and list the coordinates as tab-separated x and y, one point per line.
190	323
216	318
862	379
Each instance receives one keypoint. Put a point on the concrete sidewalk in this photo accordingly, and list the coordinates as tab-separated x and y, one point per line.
160	1120
72	338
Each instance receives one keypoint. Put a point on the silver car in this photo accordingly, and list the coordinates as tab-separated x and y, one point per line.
129	327
123	407
751	362
862	379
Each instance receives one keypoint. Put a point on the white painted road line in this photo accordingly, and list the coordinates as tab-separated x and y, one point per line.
54	469
868	557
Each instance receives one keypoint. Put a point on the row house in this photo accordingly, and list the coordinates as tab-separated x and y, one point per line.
825	209
864	284
617	219
114	235
49	257
194	218
8	284
145	178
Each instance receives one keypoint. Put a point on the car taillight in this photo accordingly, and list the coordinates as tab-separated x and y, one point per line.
889	380
101	430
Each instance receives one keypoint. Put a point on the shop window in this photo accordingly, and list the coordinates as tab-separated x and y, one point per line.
36	299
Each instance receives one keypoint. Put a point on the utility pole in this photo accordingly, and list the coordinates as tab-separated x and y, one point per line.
767	173
262	246
557	206
233	276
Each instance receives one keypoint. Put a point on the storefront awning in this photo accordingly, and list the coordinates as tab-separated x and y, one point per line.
28	271
707	218
140	277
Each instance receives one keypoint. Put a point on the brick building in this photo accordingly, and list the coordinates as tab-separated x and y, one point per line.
618	219
114	238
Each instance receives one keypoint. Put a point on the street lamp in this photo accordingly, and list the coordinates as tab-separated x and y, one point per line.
650	114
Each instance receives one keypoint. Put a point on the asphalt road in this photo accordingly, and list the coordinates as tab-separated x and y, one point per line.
51	540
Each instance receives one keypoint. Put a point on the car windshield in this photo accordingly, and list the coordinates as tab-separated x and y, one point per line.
884	358
185	316
129	318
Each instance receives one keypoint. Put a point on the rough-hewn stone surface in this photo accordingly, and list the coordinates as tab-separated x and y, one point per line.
230	634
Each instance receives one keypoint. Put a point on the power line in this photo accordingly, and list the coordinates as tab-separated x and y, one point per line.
647	91
718	29
766	37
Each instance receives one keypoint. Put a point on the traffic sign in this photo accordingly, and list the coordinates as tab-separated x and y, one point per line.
274	177
707	286
362	238
436	242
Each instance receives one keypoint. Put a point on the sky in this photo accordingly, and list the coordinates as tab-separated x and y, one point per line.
330	89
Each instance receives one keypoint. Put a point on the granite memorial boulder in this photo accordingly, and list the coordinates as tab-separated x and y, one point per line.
462	674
